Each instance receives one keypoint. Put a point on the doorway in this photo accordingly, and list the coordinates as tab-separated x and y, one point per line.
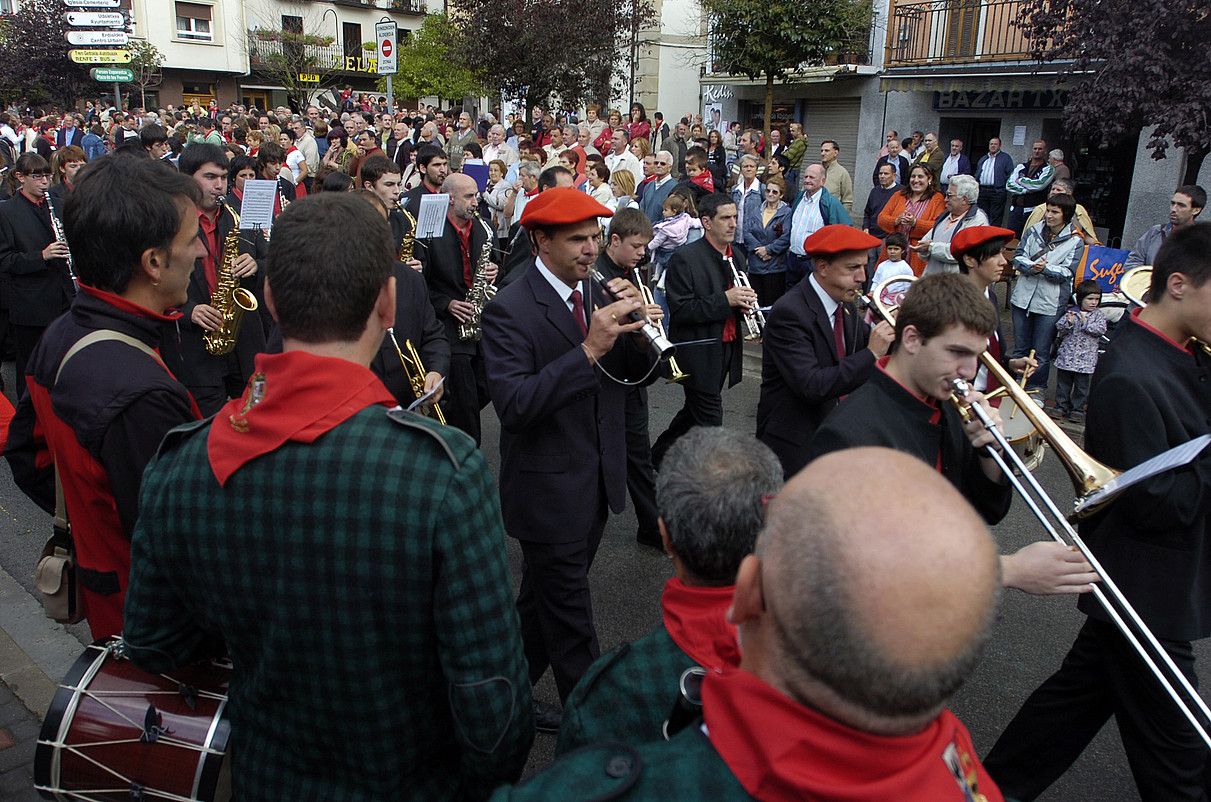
974	131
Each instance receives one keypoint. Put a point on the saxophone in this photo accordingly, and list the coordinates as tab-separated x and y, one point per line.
60	236
414	369
229	298
408	244
480	293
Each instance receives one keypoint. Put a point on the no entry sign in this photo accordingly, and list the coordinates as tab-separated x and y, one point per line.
385	33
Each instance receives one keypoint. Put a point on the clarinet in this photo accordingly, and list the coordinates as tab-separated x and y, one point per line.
657	342
60	236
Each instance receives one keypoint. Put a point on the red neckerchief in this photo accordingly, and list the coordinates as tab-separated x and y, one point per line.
782	751
729	325
464	240
531	192
647	180
304	397
38	204
238	195
935	417
210	229
704	180
1135	318
696	619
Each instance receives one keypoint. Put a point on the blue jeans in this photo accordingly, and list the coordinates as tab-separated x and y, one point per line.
797	268
1033	330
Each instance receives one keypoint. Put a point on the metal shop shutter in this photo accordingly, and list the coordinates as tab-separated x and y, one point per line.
833	119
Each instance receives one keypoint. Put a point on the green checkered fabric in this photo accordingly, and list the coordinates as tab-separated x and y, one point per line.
685	768
625	695
361	585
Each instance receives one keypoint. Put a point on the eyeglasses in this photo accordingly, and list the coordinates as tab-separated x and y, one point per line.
40	176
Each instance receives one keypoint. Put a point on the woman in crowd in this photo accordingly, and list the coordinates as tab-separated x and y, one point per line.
716	157
613	121
622	187
571	160
639	127
599	188
767	237
912	211
641	148
497	196
339	153
296	162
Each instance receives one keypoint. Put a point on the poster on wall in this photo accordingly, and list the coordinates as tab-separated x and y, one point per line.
712	106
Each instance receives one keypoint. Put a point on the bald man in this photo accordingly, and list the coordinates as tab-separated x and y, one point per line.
448	263
856	625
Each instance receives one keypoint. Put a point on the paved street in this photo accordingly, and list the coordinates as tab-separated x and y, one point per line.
1031	636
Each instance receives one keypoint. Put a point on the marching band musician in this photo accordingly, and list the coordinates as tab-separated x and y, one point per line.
449	263
101	403
1151	392
816	347
705	305
435	168
551	370
269	160
32	259
629	234
213	379
942	326
381	176
411	682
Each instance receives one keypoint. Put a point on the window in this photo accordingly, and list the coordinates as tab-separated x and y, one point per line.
194	22
6	7
351	37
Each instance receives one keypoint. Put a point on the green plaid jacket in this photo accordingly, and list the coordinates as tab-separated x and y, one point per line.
685	769
625	695
361	586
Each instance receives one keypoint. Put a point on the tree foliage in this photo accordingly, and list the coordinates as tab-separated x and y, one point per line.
771	39
538	50
145	62
1130	65
35	56
284	55
428	65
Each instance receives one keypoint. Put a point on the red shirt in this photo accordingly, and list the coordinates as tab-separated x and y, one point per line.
210	238
463	229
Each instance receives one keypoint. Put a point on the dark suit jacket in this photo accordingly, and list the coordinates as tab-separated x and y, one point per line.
399	152
801	377
562	435
882	413
76	138
1155	539
519	260
182	346
411	199
442	260
964	165
697	278
901	179
415	321
37	291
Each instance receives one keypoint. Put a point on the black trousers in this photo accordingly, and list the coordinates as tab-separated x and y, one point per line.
466	393
768	286
210	399
992	202
25	339
1103	676
556	607
701	408
641	479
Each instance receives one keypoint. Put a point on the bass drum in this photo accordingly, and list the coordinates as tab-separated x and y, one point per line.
1022	435
114	732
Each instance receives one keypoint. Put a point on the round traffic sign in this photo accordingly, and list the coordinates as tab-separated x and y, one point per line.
386	48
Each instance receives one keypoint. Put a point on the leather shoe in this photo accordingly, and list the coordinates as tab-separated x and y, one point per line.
547	718
651	540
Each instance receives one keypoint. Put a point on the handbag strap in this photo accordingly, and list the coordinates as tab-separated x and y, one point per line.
92	338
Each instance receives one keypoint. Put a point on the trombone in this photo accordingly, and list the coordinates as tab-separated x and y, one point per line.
414	369
1088	476
676	375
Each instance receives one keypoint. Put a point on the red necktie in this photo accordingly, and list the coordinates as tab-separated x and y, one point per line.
578	311
839	333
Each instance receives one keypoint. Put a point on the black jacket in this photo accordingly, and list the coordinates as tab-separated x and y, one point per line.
36	291
442	258
882	413
697	278
415	321
399	152
801	377
1155	539
901	179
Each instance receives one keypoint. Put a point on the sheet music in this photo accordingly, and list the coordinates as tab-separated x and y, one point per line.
423	401
256	210
1165	461
431	220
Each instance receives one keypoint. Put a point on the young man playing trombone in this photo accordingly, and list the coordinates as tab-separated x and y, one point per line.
1150	393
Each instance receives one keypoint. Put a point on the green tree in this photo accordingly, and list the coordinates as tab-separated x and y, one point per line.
36	65
773	38
429	66
145	62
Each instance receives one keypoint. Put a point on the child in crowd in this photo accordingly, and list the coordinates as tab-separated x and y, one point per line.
697	177
673	231
894	264
1081	328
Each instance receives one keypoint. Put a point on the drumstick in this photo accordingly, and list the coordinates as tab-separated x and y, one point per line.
1021	384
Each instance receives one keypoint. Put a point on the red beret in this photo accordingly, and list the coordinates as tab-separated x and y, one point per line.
561	206
975	236
839	239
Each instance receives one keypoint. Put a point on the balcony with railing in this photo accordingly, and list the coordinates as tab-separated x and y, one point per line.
924	33
307	57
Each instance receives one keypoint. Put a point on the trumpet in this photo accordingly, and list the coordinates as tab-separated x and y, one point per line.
414	369
1136	283
676	375
754	318
652	332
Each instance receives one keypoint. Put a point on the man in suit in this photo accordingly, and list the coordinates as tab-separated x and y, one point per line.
817	348
1151	540
448	263
399	146
562	442
898	161
704	304
956	163
69	134
213	379
419	687
992	171
32	260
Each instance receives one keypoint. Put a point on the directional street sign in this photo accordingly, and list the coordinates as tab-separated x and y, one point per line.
95	19
112	75
99	56
385	33
93	3
105	38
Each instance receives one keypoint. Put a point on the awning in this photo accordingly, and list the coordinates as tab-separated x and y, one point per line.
956	78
